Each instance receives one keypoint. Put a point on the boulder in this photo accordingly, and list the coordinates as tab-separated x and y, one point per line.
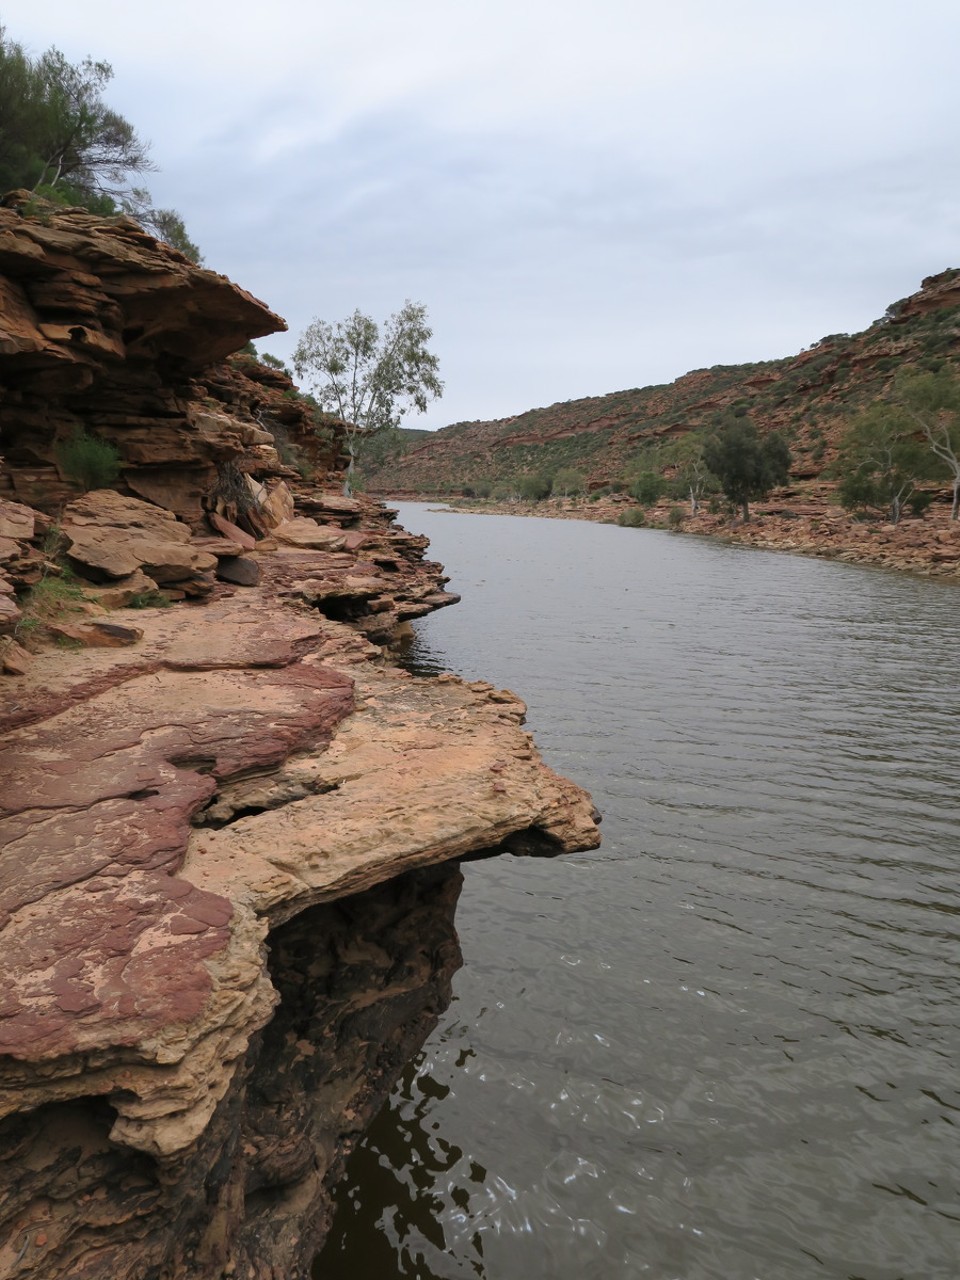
10	615
119	594
277	507
14	659
97	634
115	535
240	570
301	531
16	520
231	531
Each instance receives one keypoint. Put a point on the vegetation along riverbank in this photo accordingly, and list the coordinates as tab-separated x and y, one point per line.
866	428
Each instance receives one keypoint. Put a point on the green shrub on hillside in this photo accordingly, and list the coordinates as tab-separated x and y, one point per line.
647	488
568	482
634	518
88	461
534	488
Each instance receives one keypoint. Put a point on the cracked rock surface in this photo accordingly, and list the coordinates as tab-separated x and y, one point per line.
169	805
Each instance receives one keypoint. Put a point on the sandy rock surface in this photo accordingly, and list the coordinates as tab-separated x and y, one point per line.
167	804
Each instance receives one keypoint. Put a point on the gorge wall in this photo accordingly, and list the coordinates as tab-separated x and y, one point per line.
809	398
229	827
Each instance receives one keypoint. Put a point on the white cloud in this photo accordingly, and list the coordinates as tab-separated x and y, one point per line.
586	195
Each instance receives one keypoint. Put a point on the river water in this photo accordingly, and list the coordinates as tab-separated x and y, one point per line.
725	1045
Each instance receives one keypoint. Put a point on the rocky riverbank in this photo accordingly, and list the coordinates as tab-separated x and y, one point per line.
229	826
805	525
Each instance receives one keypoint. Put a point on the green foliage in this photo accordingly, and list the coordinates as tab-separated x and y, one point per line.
632	518
166	224
88	461
675	517
274	362
370	377
377	448
567	482
533	488
919	500
59	139
692	477
932	403
56	128
149	600
912	436
747	466
56	594
880	460
647	488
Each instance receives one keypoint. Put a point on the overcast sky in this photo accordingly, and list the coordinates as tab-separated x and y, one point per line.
587	195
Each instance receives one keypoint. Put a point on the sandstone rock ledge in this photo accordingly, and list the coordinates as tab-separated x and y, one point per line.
245	810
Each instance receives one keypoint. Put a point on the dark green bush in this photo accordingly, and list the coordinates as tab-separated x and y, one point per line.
647	488
919	501
634	518
534	488
90	462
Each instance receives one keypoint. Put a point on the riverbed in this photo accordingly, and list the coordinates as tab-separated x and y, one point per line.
725	1045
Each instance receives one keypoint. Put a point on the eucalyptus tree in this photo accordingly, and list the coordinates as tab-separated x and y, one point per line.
693	479
747	465
369	375
882	458
931	401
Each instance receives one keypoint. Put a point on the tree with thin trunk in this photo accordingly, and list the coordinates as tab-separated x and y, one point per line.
693	479
932	403
882	458
747	465
370	377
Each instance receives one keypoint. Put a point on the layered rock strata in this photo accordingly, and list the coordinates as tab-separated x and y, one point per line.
104	330
168	808
229	830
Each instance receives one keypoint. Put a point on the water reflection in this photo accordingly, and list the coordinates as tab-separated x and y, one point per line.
390	1219
724	1045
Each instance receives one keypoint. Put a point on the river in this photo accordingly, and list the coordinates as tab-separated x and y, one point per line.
725	1045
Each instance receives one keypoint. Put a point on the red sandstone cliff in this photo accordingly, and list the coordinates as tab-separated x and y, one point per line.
228	827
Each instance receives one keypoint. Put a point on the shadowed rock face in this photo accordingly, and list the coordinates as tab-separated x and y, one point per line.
361	984
104	329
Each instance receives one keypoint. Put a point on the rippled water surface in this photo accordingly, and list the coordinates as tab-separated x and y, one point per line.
725	1045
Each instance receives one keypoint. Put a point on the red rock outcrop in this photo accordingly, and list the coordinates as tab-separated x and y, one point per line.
104	329
228	828
165	808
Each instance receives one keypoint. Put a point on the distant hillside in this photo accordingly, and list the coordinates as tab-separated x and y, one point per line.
608	439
